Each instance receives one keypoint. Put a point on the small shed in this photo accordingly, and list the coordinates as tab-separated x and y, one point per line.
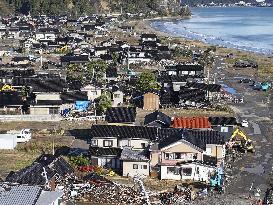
151	100
8	141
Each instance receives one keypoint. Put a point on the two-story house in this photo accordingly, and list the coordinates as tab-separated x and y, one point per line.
181	156
112	139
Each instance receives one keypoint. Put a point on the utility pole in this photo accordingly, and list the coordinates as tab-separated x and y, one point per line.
41	58
208	75
128	63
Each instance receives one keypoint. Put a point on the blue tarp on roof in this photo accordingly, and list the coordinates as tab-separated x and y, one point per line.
82	105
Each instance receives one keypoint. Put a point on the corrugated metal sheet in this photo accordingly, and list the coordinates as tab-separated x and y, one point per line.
195	122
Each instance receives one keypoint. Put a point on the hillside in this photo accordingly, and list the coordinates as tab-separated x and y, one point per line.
81	7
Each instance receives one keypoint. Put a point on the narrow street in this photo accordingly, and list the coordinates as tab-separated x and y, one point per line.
252	170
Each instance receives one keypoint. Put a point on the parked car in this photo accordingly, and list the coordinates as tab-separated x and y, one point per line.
257	86
244	123
266	86
245	80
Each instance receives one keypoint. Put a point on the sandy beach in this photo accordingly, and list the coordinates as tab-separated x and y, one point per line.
265	63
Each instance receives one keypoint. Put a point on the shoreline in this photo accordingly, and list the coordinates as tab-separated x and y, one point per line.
265	62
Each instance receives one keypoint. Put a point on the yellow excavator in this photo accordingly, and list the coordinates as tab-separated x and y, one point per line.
241	141
63	49
6	87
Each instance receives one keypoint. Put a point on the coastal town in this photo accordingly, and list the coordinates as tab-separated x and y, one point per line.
103	109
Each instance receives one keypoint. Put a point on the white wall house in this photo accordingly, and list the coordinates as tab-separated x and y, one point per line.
39	36
135	168
135	144
92	92
194	171
117	98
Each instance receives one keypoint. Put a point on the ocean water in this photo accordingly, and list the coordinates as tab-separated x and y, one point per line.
244	28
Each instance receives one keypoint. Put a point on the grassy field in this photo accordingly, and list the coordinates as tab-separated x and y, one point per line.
26	153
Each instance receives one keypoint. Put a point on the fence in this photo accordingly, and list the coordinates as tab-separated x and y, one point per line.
38	118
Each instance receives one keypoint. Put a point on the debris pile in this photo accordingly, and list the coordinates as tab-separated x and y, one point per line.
181	195
113	194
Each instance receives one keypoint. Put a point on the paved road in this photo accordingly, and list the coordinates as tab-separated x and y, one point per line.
253	168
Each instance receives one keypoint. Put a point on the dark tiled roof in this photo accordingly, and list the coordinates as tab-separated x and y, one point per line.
195	122
207	136
203	86
10	98
32	175
82	58
148	36
172	78
101	151
195	95
189	67
71	97
159	117
139	132
223	120
120	114
41	85
182	135
49	102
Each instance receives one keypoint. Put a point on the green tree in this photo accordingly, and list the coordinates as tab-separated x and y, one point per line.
104	102
185	11
74	73
147	81
96	70
79	160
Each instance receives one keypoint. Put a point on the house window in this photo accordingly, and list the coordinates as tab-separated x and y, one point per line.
169	156
208	151
187	171
144	167
135	166
190	156
177	155
94	142
108	163
224	129
108	143
143	145
197	170
93	92
53	110
173	170
116	95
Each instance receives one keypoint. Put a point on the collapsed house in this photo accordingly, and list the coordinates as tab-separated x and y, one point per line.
43	171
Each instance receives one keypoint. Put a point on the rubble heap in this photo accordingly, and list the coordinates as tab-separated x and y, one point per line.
113	194
181	196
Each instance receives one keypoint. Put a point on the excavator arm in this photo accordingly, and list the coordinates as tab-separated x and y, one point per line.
241	140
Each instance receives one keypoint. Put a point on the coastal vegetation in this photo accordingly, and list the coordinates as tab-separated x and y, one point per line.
87	7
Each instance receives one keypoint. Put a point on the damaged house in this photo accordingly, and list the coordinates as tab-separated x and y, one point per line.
182	155
43	171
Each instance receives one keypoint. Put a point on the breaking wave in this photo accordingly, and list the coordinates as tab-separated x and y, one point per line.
181	31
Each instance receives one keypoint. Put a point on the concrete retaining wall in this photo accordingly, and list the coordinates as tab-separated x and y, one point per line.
39	118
